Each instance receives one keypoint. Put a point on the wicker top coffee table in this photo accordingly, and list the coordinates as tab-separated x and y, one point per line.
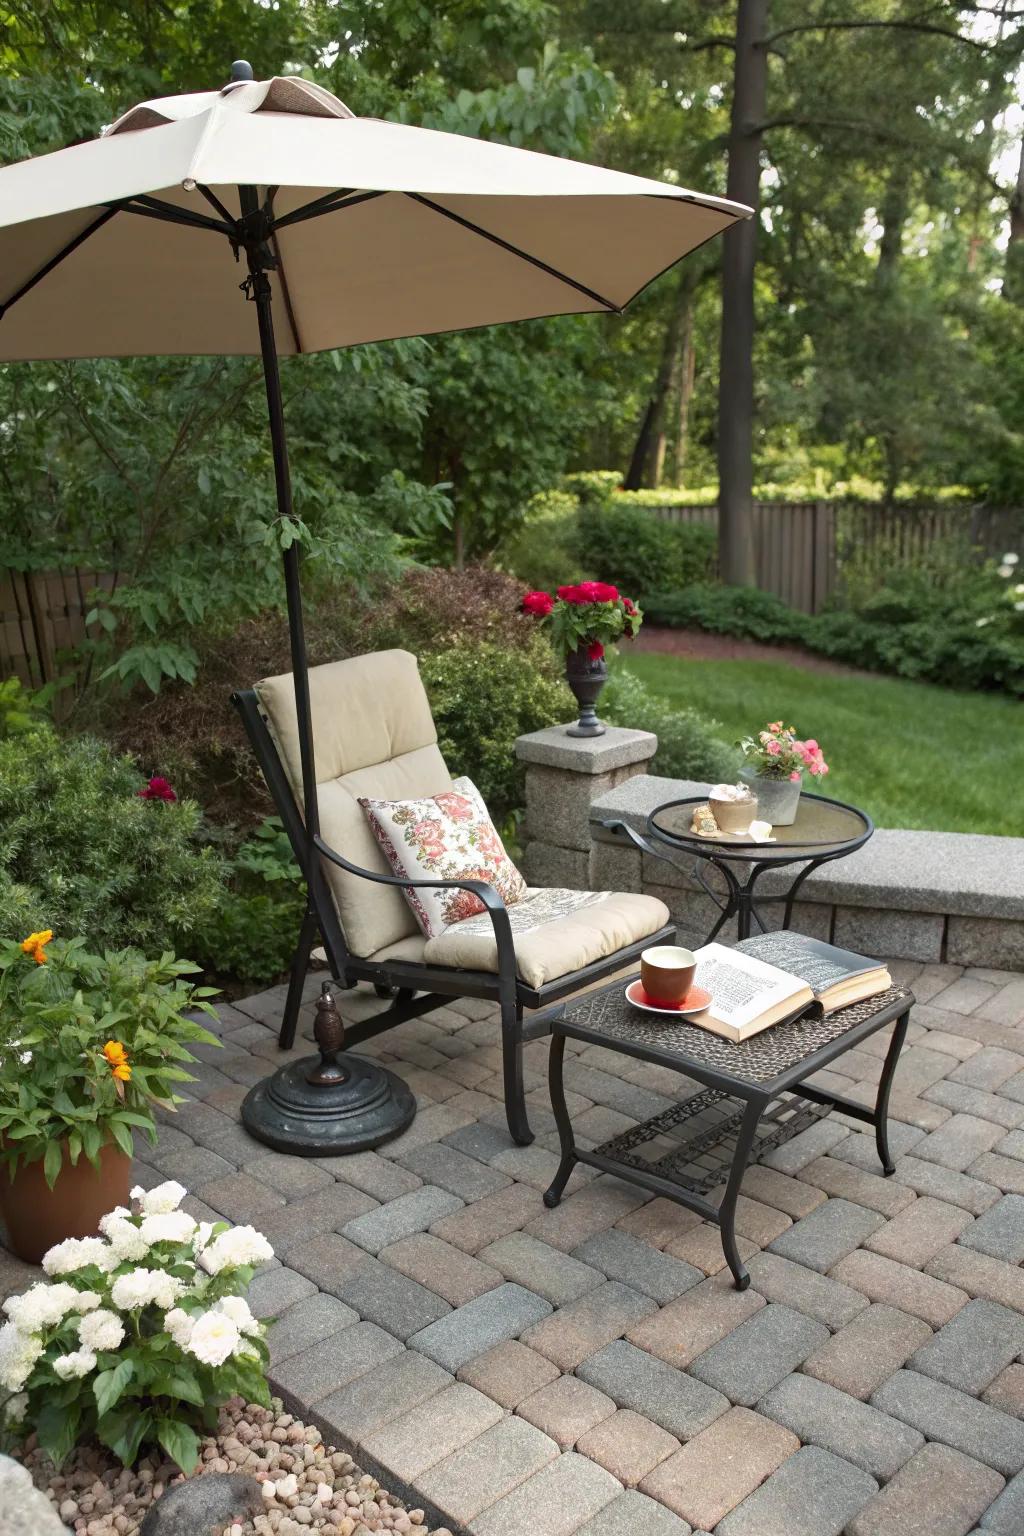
752	1096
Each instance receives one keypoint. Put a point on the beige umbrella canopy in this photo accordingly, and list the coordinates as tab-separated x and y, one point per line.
359	229
351	230
122	246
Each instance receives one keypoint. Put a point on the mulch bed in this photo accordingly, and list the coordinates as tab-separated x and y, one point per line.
699	645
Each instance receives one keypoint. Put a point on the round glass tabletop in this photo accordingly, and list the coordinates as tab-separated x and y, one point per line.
822	827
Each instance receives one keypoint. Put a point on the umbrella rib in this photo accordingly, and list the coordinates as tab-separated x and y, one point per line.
330	203
55	261
506	245
215	202
153	208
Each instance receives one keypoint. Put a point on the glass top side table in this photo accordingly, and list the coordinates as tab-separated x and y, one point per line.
824	830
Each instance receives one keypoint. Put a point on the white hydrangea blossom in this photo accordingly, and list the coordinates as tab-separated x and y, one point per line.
76	1253
88	1301
168	1227
119	1213
161	1200
126	1240
19	1352
101	1330
240	1245
42	1306
214	1337
179	1325
79	1363
141	1286
203	1233
14	1408
237	1308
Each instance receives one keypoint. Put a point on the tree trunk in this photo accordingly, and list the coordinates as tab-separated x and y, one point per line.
739	253
687	374
649	449
1013	274
893	214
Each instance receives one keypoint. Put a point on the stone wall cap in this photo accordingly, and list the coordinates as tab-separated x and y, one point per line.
617	748
969	874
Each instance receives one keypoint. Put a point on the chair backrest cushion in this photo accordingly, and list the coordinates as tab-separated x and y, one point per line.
373	736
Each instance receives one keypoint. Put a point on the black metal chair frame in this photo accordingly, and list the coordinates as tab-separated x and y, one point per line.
415	987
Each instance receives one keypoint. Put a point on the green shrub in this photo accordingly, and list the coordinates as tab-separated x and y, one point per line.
251	936
432	607
544	551
688	744
82	854
483	696
643	554
740	611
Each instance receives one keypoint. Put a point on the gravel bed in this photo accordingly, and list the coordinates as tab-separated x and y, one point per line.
315	1488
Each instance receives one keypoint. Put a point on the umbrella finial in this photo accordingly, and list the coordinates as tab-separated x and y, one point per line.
241	69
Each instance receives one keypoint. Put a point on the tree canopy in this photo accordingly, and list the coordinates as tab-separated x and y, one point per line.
866	329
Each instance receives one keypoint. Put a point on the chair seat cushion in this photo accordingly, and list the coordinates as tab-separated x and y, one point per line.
555	933
447	836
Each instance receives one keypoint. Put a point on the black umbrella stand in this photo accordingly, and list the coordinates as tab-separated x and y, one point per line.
332	1103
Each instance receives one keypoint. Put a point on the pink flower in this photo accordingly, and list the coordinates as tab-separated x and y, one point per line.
595	650
157	789
811	744
795	776
540	603
772	748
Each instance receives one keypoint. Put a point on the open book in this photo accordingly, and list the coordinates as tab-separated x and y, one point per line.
777	976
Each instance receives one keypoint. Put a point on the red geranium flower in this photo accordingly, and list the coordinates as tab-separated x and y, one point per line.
595	650
540	603
629	605
157	789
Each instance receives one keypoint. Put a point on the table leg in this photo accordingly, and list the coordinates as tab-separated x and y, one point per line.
562	1121
727	1210
892	1057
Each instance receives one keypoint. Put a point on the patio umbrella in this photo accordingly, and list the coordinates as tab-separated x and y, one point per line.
349	229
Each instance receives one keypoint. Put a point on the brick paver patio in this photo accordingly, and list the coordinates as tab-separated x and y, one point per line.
590	1369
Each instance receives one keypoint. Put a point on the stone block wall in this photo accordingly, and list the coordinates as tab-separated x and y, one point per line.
927	896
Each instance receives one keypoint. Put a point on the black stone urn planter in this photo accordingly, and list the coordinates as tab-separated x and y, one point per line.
586	678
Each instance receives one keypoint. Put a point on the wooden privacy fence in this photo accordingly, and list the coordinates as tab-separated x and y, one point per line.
41	614
802	547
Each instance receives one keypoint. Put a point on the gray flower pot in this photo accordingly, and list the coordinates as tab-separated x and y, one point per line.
586	678
777	799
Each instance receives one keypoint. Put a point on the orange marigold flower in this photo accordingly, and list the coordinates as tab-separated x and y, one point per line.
35	945
115	1053
123	1071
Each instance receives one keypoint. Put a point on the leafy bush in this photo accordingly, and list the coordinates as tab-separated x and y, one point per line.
483	696
642	553
60	1007
82	854
139	1335
432	607
252	934
544	552
688	744
740	611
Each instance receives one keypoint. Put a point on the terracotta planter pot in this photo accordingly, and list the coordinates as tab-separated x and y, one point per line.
36	1216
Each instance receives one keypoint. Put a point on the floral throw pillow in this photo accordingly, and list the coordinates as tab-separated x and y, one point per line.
446	837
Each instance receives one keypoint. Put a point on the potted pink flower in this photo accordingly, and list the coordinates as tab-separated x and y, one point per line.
585	621
775	761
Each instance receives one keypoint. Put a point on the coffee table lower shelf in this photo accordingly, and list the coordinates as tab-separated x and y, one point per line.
711	1136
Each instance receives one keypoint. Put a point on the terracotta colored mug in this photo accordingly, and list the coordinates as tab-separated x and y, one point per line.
666	972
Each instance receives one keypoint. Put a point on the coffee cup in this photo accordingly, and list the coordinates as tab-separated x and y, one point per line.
667	972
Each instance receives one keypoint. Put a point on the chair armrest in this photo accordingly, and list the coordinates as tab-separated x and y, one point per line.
486	894
635	838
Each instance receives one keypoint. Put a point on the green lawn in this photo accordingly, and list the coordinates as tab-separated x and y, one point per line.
910	754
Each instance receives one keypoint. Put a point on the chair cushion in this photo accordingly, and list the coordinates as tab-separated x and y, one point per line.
373	735
448	837
555	932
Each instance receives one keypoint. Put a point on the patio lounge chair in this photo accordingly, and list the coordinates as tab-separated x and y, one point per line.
374	736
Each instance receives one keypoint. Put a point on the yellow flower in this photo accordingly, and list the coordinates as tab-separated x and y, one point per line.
123	1071
35	945
115	1053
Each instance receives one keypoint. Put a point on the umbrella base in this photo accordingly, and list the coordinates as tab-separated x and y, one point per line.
367	1106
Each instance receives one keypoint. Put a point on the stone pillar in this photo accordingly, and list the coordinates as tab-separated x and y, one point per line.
564	775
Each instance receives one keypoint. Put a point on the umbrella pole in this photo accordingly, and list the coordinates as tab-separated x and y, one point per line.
292	580
331	1103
